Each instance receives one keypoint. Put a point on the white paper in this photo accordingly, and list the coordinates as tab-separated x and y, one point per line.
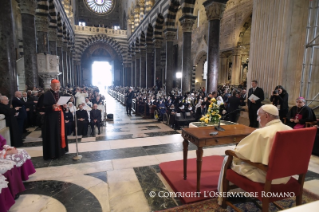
254	97
63	100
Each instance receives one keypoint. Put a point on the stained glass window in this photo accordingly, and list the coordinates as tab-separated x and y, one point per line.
100	6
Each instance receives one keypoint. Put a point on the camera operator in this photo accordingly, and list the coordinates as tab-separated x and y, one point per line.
279	98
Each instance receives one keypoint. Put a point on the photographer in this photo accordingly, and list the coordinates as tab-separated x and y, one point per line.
80	95
279	98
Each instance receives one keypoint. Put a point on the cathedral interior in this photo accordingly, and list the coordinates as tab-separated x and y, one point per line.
184	44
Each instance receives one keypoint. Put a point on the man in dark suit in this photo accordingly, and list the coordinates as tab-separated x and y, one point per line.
129	99
253	105
29	106
83	121
18	102
95	116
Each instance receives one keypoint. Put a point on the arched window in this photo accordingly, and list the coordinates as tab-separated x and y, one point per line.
100	7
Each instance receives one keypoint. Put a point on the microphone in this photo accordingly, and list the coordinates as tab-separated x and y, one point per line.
218	128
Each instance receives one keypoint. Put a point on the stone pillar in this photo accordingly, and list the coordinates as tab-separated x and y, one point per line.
157	59
42	25
27	9
170	36
65	64
133	72
69	62
136	16
143	68
279	61
52	36
214	12
128	74
222	74
236	66
60	54
149	67
137	69
187	62
8	72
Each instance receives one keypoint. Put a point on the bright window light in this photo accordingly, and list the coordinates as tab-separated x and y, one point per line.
179	75
101	75
81	23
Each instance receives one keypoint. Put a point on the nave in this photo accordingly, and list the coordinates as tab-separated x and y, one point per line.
118	170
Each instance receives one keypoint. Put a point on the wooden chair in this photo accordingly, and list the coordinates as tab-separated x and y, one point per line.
289	156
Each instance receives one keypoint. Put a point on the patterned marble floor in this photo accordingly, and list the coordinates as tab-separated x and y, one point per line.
118	169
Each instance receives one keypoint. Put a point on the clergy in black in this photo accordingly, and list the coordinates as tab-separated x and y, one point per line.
253	106
95	116
11	122
51	130
82	120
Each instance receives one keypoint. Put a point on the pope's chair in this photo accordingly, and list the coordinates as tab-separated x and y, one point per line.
289	156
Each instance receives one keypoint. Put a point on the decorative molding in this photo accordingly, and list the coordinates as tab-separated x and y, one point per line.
28	6
157	43
170	35
187	23
214	10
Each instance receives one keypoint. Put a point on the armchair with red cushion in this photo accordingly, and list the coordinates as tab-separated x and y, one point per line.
289	156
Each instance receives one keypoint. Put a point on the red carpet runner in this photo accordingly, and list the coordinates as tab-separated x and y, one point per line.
173	173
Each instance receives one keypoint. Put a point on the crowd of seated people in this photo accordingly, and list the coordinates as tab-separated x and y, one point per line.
193	104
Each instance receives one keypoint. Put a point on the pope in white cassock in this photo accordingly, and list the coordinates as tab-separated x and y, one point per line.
256	147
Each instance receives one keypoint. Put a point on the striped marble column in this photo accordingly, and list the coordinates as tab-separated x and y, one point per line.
278	35
136	16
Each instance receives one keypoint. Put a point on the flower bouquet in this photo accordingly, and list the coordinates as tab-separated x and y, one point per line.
212	116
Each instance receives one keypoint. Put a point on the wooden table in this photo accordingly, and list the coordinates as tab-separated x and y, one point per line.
201	138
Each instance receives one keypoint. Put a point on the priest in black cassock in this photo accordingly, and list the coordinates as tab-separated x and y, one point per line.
11	121
55	142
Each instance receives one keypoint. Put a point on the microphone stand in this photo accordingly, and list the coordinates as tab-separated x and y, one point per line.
218	128
77	157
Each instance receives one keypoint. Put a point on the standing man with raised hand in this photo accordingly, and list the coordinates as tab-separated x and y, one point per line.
55	142
254	105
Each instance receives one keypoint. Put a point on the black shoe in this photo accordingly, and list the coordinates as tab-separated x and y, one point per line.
98	133
16	196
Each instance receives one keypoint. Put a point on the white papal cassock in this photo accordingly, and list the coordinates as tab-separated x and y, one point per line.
256	147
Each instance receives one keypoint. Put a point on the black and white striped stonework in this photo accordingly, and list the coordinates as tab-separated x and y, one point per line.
42	8
59	24
53	15
171	16
159	27
142	40
21	48
149	35
188	7
64	34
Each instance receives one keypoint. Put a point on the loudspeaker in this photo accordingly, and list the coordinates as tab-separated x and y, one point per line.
109	116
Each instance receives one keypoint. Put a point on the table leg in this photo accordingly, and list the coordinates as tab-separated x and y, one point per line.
199	153
185	151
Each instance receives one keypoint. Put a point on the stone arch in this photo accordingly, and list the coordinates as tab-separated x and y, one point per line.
199	57
159	26
52	15
142	39
102	39
171	16
188	7
245	28
149	35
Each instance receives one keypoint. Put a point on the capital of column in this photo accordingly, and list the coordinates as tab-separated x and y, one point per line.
149	49
65	47
187	22
28	6
42	23
158	43
52	34
138	55
214	10
170	34
143	52
221	55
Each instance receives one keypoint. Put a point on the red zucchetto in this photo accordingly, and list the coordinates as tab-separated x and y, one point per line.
55	81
